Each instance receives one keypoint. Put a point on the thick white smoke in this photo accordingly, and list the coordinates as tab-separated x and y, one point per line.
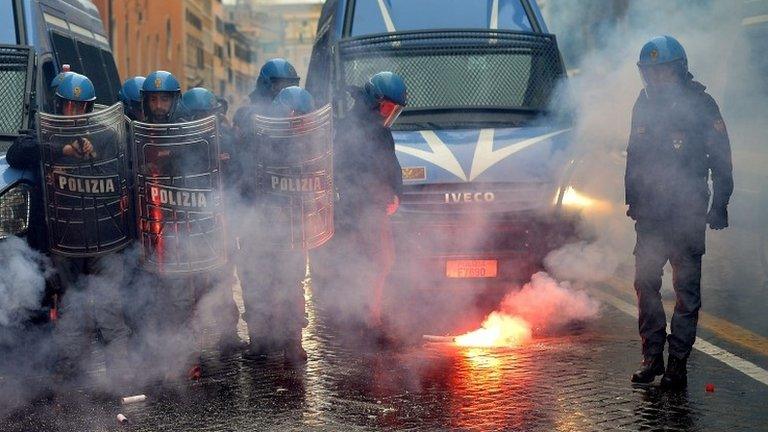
22	281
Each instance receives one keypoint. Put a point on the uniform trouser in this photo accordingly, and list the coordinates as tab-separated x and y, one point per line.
215	303
356	265
273	293
683	246
91	303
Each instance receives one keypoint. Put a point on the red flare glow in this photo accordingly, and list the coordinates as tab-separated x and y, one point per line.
498	330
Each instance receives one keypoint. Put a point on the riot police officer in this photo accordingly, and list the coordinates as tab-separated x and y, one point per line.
678	140
216	291
160	98
91	302
130	95
274	298
170	298
275	75
369	182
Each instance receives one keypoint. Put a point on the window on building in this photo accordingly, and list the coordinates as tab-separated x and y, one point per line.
194	20
243	53
169	39
218	51
219	25
200	54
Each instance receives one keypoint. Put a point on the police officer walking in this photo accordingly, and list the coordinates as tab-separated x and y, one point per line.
369	181
678	141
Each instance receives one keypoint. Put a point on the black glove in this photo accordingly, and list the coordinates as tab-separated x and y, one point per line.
631	213
24	153
717	218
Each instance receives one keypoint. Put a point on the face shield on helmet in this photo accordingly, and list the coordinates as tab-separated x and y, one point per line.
73	108
662	75
389	112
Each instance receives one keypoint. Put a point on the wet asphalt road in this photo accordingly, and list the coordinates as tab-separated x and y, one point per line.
571	382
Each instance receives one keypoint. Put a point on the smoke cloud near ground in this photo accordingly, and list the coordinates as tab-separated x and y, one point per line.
542	306
22	281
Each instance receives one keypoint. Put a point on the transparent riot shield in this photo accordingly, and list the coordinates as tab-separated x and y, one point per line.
87	200
295	178
179	196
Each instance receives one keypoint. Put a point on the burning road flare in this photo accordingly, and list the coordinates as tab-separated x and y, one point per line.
498	330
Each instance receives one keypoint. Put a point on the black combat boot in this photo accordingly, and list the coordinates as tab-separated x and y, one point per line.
676	376
650	369
259	347
295	353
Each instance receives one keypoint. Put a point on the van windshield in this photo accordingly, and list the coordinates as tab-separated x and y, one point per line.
7	23
387	16
461	72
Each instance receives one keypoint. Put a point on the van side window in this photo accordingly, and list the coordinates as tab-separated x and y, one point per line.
95	70
319	73
49	73
112	73
66	53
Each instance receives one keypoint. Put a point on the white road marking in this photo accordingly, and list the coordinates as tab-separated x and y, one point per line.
440	155
759	19
485	157
744	366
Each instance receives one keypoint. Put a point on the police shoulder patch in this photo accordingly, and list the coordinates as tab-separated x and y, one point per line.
719	125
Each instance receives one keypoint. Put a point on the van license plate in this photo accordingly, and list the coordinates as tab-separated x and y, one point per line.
465	269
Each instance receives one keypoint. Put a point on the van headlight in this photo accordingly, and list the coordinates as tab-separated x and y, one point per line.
14	211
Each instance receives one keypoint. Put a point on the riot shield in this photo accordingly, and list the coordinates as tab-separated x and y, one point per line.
179	196
87	201
295	178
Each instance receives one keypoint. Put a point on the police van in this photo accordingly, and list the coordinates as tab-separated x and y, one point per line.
38	37
485	163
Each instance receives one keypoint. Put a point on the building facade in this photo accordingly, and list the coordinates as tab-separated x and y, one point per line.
189	38
279	28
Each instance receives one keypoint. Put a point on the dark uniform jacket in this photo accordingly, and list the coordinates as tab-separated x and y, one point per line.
240	172
367	171
676	141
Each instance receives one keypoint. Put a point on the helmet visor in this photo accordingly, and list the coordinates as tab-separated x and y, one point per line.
660	75
389	112
73	108
281	83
